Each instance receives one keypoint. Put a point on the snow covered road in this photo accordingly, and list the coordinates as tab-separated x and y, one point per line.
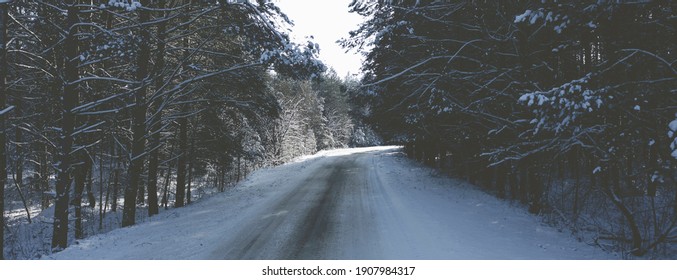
369	203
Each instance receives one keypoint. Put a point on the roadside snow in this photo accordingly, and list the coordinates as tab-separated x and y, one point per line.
417	215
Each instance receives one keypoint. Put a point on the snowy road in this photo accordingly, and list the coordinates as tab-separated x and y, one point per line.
324	212
338	208
347	204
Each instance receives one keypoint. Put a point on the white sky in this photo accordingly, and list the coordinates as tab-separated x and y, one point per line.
327	21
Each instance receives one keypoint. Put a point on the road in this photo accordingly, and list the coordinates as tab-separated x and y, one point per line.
331	210
369	203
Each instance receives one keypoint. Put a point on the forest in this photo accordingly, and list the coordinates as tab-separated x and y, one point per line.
112	111
566	107
115	110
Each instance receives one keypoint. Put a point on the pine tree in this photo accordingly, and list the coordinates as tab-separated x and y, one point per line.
70	96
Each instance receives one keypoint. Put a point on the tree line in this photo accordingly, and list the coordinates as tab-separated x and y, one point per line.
568	107
142	102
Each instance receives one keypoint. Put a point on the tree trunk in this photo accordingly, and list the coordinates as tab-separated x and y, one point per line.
18	136
141	192
513	182
165	199
180	194
487	176
181	165
190	170
138	121
3	101
80	177
69	99
43	180
535	187
153	162
116	179
576	172
501	174
91	199
156	122
523	182
101	202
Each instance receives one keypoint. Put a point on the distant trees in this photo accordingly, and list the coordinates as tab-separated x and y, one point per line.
561	105
336	112
314	115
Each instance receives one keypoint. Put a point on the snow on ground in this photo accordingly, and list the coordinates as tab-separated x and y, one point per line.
394	209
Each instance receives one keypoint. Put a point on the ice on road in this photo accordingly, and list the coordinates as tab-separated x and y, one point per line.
368	203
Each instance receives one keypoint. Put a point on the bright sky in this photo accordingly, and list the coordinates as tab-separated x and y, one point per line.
327	21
